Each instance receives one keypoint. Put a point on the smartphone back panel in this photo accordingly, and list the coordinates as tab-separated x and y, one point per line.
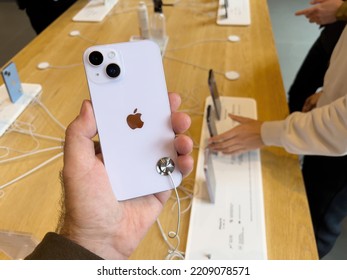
133	116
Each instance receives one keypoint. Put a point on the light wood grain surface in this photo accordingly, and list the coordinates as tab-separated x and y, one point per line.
33	204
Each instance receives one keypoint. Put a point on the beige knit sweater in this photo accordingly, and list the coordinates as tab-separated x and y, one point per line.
322	131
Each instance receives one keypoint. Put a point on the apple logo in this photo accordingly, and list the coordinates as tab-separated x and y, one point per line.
134	120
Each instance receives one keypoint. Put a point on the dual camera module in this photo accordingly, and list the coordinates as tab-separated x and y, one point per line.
112	70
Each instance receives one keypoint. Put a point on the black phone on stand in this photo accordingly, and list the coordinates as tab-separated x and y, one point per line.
214	93
211	121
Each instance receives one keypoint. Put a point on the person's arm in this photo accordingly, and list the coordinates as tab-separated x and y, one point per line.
323	11
322	131
93	218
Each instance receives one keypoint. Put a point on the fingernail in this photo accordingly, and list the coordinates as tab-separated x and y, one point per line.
83	107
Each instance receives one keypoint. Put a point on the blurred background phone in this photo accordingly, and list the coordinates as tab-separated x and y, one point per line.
12	82
214	93
209	175
211	121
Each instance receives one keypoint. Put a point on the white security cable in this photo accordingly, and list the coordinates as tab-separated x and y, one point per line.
31	171
76	33
198	43
31	154
192	64
18	127
188	196
43	106
29	131
45	65
173	234
173	252
38	135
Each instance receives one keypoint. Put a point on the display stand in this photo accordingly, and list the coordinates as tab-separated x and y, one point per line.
9	111
95	10
233	227
235	12
17	245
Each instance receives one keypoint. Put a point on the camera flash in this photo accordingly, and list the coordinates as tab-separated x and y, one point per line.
111	54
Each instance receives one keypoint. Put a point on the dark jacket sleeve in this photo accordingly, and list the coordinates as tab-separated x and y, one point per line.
56	247
21	4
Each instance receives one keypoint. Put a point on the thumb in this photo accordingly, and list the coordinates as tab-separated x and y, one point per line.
79	145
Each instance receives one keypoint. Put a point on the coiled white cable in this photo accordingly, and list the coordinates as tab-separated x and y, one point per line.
173	252
18	128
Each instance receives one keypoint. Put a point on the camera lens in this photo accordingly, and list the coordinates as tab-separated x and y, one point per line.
96	58
113	70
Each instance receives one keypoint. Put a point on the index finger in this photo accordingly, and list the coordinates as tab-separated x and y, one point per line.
79	146
221	137
240	119
304	12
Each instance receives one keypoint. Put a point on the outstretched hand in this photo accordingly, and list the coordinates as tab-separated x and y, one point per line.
240	139
322	11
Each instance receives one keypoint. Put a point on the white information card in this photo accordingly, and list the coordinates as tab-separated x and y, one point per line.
95	10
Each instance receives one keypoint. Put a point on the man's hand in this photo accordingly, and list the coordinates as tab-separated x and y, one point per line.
94	218
323	11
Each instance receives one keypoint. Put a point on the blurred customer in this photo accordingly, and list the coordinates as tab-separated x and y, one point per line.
331	15
43	13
